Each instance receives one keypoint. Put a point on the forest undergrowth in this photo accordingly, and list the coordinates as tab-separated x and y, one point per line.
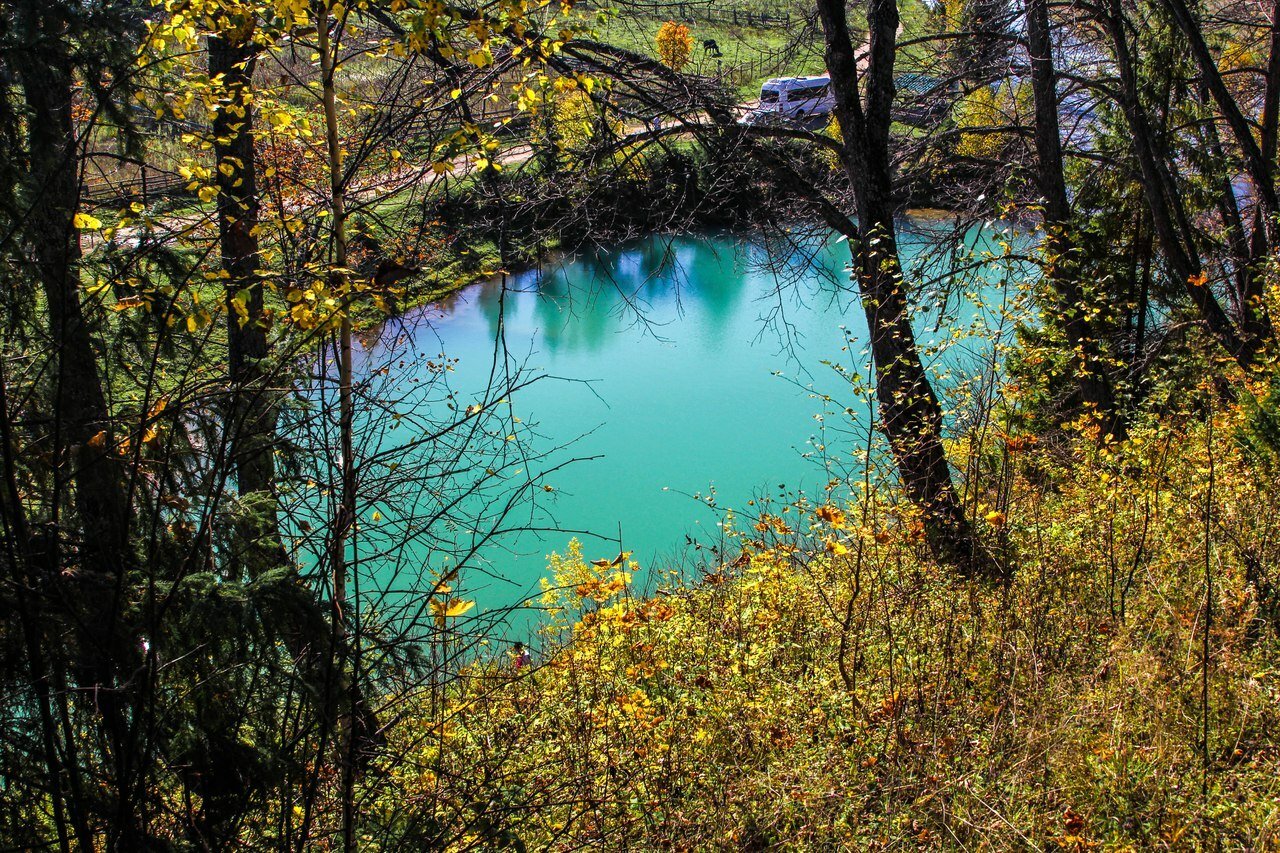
835	688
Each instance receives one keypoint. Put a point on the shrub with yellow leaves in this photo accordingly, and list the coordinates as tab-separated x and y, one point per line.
798	702
674	45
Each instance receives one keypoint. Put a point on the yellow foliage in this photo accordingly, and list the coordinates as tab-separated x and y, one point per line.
988	113
674	44
797	693
449	608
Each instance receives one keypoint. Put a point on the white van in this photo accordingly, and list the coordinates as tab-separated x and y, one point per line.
795	98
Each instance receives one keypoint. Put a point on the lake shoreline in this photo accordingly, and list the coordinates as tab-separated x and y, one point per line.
679	195
558	253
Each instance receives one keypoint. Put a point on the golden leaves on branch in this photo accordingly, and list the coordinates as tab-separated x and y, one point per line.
449	608
831	515
148	433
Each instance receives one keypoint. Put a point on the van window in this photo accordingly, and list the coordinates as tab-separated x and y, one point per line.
805	93
769	96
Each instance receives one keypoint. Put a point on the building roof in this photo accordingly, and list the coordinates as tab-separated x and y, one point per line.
917	84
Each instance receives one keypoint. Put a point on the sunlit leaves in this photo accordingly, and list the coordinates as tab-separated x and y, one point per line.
444	609
833	516
836	547
674	45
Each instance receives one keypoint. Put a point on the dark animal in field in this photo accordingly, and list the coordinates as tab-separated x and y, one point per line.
710	48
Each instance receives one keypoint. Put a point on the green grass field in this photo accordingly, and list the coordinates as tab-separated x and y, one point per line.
753	52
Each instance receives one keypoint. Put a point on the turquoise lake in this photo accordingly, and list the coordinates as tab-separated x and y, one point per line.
684	374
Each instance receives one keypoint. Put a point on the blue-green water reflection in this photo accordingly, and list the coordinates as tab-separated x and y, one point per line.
679	368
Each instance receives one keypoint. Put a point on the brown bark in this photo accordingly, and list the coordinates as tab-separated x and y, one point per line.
344	525
1255	318
84	459
1256	165
251	417
1258	157
1168	217
1062	270
216	770
1270	119
88	477
909	409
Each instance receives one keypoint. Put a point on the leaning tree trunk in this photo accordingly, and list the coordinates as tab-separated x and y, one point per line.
1255	319
1062	269
1257	160
909	409
1259	169
1164	200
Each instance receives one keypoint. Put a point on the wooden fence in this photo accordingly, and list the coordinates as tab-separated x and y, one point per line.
717	13
151	185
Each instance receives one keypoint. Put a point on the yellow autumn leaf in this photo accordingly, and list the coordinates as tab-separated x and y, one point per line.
608	564
458	607
831	515
85	222
128	302
451	608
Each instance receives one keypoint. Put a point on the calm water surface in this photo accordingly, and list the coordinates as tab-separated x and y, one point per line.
686	374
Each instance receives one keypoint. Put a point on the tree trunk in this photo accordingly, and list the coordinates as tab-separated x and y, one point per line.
85	466
1252	296
1062	269
1256	165
251	416
344	525
1168	218
909	409
1258	158
85	461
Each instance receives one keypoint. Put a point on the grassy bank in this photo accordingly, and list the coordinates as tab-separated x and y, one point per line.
835	688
